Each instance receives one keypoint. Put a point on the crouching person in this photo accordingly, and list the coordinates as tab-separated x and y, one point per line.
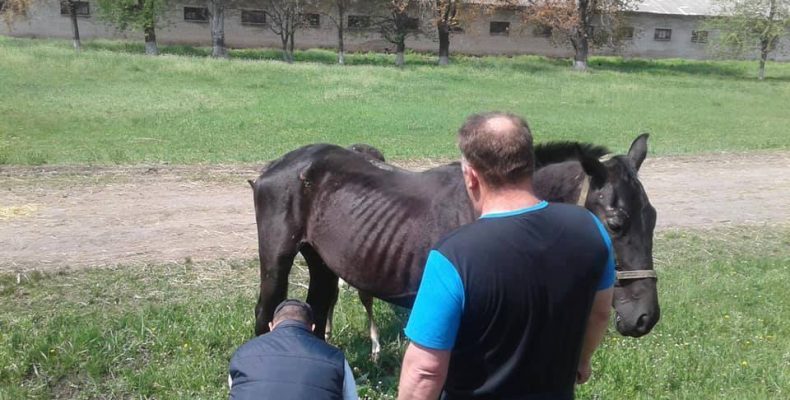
290	362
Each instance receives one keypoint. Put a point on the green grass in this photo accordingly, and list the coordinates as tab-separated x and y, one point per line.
168	331
112	105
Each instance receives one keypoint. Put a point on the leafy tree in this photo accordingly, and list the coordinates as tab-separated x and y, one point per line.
446	19
748	25
135	14
579	22
397	20
12	10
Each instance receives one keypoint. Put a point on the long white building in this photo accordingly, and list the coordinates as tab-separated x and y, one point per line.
656	29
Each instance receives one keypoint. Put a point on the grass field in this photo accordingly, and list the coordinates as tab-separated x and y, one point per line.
168	331
111	104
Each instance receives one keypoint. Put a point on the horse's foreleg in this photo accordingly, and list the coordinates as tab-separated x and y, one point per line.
367	301
273	288
331	314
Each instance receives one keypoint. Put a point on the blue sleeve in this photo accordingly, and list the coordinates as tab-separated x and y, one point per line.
437	310
607	278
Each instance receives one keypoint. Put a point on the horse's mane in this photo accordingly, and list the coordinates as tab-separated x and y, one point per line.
559	151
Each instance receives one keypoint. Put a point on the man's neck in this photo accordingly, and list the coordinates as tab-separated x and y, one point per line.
508	199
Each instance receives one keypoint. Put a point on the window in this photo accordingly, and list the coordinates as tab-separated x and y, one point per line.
699	36
499	28
662	34
625	33
253	17
411	24
542	31
83	8
358	22
196	14
312	20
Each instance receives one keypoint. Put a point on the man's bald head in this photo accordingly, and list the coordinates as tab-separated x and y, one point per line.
499	147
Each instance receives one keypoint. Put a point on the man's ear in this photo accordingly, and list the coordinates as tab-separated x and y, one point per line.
271	326
471	178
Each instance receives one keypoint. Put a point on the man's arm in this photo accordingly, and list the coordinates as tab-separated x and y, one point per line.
596	328
349	384
423	373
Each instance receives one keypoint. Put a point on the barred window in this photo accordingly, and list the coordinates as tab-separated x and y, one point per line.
699	36
312	20
253	17
83	8
358	22
196	14
499	28
663	34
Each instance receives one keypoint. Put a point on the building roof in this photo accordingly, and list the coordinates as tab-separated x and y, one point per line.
677	7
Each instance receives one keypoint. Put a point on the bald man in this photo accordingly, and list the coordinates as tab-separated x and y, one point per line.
513	305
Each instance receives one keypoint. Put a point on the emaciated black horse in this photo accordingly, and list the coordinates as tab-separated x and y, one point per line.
373	224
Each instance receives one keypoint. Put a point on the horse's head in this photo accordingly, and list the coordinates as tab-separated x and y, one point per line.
617	197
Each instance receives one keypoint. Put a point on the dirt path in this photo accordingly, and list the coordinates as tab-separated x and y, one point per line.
83	216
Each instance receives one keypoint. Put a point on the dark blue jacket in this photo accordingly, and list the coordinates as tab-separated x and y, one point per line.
287	363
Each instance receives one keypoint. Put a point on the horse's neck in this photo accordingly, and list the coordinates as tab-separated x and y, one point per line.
559	182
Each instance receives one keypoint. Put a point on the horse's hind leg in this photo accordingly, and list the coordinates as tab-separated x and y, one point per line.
367	301
322	289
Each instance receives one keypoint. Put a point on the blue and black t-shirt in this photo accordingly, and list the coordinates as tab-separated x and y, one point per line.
510	295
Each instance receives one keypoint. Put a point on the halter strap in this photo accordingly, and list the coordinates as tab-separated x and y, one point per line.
637	274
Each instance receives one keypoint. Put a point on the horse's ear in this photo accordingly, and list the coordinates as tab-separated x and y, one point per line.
252	183
638	150
596	170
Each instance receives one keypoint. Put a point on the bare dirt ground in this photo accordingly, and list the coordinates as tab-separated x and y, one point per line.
52	217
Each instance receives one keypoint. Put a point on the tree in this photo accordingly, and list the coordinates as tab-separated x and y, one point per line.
571	21
336	11
445	15
135	14
748	25
399	19
285	16
12	10
216	10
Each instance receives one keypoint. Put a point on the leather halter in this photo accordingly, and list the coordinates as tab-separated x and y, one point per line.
621	275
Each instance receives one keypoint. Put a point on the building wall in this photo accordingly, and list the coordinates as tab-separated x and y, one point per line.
46	21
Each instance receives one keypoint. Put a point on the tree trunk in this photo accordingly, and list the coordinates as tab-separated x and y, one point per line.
399	54
341	47
151	48
291	48
444	44
763	58
218	29
75	28
284	38
581	52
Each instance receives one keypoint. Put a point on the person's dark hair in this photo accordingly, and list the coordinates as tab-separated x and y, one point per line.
293	309
500	151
